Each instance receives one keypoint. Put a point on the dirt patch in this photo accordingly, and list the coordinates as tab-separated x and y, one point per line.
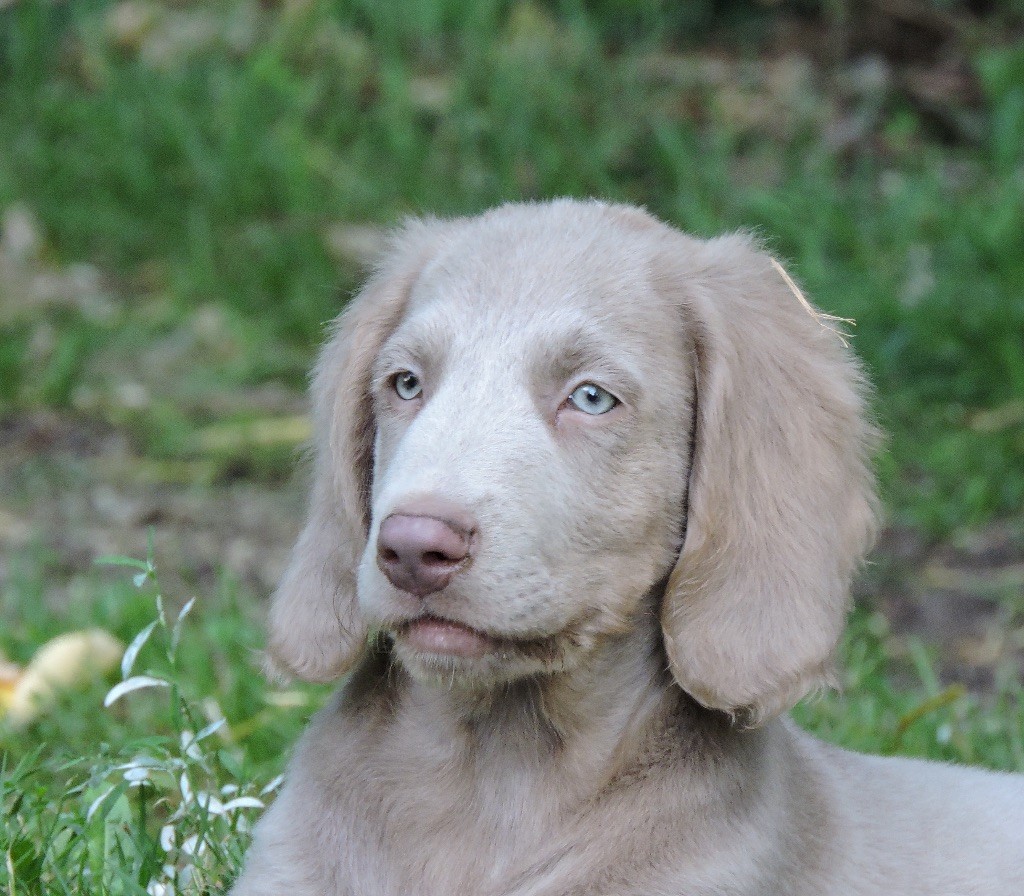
964	596
78	490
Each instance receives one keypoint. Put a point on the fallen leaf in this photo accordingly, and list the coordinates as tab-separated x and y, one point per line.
60	664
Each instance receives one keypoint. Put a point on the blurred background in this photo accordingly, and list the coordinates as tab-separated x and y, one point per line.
189	191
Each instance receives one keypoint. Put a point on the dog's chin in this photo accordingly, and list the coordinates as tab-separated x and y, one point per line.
451	654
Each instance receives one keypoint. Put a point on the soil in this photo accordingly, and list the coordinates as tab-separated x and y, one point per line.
76	490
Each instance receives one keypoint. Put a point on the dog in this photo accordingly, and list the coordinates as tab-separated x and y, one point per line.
587	498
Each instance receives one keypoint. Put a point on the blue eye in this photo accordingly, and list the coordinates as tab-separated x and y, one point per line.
408	385
592	399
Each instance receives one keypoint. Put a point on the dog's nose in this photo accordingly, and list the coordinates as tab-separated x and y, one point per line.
420	554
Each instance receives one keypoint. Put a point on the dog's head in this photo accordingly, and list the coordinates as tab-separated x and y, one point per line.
528	420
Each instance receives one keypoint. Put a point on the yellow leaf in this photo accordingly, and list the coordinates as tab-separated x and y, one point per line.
62	663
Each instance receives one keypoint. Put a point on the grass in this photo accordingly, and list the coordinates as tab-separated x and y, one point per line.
155	792
209	162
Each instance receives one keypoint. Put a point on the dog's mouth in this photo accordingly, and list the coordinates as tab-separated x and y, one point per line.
436	645
443	637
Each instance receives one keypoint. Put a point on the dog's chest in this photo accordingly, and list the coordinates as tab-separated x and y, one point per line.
446	831
427	808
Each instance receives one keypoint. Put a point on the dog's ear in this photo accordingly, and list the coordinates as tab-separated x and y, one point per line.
781	504
315	629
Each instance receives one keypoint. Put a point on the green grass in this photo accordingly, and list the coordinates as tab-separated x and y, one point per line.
105	800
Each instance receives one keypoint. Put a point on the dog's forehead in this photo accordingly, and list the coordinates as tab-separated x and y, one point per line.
534	281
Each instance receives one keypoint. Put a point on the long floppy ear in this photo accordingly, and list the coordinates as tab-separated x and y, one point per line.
315	629
781	504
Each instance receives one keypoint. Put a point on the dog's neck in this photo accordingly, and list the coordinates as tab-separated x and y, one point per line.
589	722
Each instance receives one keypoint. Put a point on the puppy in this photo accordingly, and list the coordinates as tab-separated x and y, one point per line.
588	495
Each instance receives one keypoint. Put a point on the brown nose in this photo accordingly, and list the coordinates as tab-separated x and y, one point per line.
420	554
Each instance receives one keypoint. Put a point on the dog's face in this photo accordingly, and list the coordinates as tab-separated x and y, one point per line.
514	418
539	404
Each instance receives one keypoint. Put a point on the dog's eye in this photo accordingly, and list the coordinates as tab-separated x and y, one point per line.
408	385
592	399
